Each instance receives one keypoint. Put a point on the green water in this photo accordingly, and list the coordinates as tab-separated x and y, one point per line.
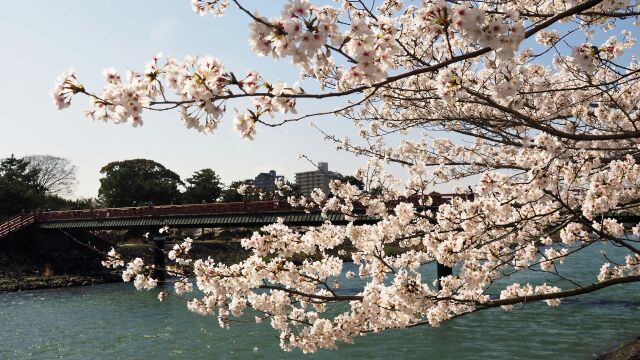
116	322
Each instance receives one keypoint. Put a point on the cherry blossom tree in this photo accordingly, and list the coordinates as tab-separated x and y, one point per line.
536	101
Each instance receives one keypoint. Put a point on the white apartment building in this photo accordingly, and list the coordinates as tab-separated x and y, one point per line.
309	180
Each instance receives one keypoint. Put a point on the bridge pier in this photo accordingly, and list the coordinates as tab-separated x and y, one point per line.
159	260
442	271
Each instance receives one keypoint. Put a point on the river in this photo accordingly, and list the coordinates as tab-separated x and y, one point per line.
114	321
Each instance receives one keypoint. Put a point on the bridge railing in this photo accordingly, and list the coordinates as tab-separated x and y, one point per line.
207	209
15	223
166	210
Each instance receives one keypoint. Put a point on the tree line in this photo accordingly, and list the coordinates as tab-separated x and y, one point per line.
37	182
41	182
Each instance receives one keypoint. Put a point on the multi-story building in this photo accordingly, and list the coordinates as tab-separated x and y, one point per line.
267	181
309	180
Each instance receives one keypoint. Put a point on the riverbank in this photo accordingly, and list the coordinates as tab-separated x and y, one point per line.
30	268
626	351
57	281
22	270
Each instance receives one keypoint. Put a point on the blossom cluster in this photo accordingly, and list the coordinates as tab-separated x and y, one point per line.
140	274
315	38
180	251
517	290
202	7
631	267
114	260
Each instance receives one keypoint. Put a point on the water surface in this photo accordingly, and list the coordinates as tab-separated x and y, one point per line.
114	321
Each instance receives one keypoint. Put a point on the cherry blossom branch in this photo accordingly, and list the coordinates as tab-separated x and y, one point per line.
560	294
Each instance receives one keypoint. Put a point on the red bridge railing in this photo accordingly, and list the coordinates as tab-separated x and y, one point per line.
201	209
167	210
16	223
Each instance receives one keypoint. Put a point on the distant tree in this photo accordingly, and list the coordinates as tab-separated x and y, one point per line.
293	190
204	185
231	193
283	191
19	188
377	190
55	202
56	175
83	203
352	180
140	181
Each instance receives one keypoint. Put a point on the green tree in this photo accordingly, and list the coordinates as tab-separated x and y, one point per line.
231	194
138	181
19	188
55	202
294	190
204	185
352	180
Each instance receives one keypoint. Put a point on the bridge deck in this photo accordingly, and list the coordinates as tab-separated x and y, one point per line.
238	214
214	220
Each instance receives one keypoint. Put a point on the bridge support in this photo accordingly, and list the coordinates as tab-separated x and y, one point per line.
160	272
442	271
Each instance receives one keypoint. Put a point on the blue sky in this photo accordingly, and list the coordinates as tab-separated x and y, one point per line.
40	39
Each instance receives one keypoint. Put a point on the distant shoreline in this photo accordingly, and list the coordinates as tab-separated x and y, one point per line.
27	283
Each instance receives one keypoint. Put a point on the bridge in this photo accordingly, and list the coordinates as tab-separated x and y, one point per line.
212	215
56	226
56	230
